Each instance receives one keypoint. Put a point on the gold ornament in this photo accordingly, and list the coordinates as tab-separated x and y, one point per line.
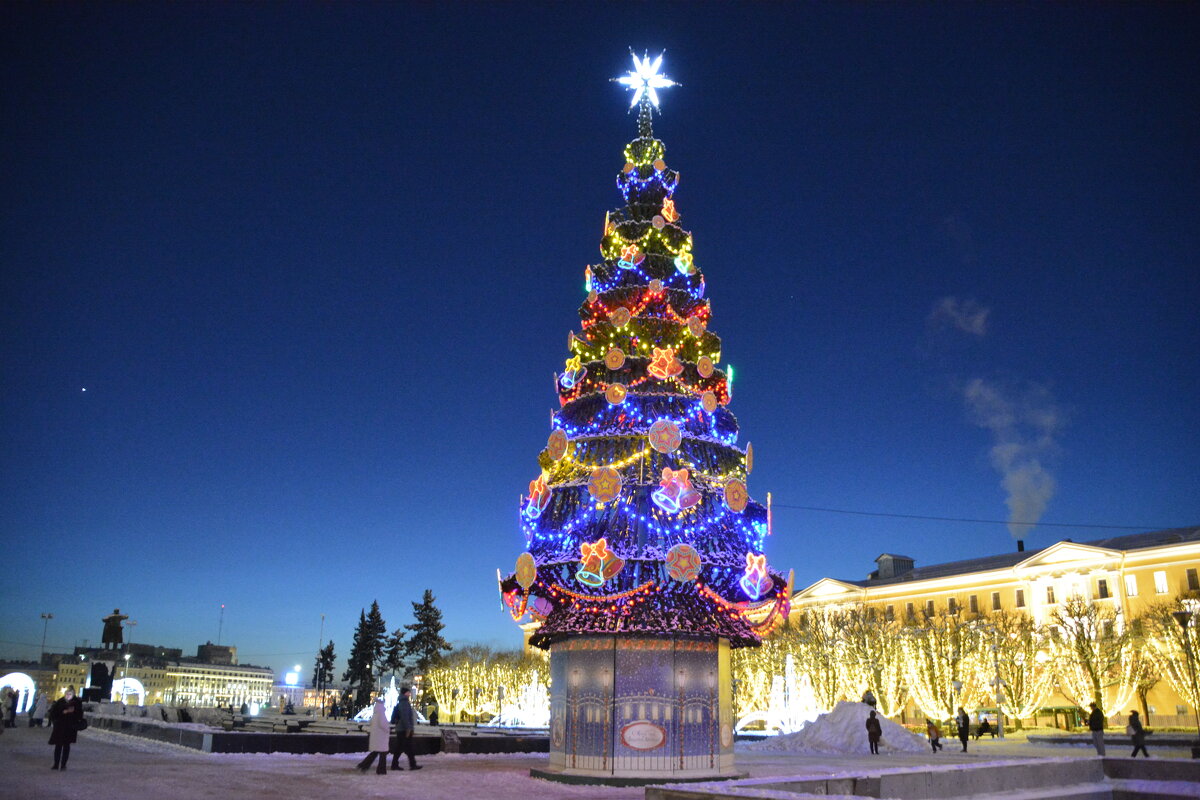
615	393
614	358
709	401
749	458
526	570
736	496
696	326
605	484
556	445
619	317
704	366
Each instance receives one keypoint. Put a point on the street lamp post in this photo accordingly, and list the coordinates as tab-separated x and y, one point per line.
1184	618
45	625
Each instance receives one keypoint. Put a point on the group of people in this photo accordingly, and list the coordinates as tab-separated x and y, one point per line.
381	741
1096	724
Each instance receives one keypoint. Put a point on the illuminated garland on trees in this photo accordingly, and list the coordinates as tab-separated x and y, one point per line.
640	519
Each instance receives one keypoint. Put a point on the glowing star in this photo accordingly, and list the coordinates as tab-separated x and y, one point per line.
668	210
683	563
756	581
644	79
664	436
664	364
631	256
604	484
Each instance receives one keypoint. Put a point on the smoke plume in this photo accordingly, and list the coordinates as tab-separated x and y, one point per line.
1024	424
962	314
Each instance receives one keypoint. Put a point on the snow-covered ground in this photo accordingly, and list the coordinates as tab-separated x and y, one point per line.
113	766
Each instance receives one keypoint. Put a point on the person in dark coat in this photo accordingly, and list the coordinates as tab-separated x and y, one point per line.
1096	726
874	731
985	728
964	727
65	716
10	708
1138	733
405	721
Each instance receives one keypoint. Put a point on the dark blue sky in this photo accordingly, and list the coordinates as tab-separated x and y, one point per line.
315	265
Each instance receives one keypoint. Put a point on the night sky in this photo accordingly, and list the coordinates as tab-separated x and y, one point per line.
284	286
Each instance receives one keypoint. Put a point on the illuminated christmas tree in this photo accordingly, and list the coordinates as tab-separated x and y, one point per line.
644	560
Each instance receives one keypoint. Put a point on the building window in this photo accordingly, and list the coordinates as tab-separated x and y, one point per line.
1050	595
952	605
929	611
908	610
1193	581
995	601
1107	628
1131	585
1102	588
1020	598
1160	582
889	613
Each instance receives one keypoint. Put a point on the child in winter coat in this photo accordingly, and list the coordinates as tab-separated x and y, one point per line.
934	733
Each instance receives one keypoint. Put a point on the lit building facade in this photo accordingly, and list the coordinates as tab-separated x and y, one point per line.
1127	574
171	681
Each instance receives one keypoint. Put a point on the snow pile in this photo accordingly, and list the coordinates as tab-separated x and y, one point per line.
844	730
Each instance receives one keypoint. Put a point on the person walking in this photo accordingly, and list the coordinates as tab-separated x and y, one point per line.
874	731
405	721
38	715
1096	726
377	740
1138	734
934	733
10	708
66	717
964	727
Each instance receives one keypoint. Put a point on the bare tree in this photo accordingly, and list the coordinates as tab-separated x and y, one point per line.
873	658
1026	669
1094	655
944	663
1167	649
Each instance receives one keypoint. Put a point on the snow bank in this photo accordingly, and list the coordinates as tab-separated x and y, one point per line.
844	730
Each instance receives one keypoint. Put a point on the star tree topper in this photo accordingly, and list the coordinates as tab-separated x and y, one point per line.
644	78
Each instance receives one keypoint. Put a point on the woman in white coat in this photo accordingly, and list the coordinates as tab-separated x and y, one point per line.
378	741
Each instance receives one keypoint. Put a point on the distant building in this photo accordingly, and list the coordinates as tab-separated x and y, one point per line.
145	674
1126	573
217	654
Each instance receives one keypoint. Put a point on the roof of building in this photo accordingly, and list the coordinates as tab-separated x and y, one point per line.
1132	541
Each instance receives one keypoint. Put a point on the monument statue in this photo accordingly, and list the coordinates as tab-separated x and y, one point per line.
112	629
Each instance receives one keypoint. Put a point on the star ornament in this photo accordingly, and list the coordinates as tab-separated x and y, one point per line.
644	79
